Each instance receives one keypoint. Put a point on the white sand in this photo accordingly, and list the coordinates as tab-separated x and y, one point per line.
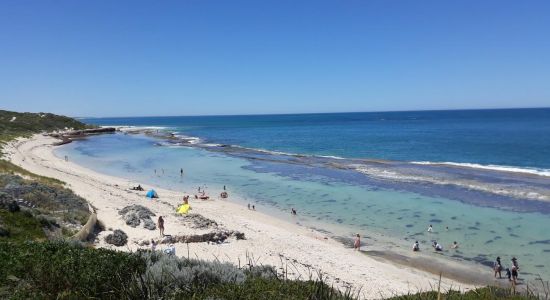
268	240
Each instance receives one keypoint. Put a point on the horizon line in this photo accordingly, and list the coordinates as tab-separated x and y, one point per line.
313	113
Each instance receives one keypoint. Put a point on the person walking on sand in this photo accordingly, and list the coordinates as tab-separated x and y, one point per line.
357	242
160	224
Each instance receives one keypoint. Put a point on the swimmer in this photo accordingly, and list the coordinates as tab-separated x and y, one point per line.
416	246
454	245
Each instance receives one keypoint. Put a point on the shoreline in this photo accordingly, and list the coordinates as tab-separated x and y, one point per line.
268	240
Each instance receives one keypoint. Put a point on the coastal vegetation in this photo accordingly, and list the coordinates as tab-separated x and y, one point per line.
73	271
14	124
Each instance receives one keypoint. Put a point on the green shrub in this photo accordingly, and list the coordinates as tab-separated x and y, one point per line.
51	269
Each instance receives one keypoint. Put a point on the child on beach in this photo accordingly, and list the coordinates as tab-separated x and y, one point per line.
357	243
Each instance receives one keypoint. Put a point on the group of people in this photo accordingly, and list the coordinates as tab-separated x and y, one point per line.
171	250
251	206
437	246
137	188
511	273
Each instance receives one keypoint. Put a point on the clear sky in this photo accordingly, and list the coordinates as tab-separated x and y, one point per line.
136	58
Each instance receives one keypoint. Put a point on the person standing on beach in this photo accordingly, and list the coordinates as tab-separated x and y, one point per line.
181	172
515	266
497	267
160	224
357	242
514	274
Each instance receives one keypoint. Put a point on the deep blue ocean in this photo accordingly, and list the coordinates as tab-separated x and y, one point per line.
481	177
506	137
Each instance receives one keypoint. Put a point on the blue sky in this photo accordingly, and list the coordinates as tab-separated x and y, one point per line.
136	58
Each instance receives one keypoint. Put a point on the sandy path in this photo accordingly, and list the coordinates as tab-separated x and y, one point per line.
268	240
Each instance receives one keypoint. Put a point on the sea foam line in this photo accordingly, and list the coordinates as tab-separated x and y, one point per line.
534	171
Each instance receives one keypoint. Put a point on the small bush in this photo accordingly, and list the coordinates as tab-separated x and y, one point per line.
117	238
13	207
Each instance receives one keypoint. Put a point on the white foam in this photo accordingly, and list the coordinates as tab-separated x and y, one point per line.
468	184
330	156
534	171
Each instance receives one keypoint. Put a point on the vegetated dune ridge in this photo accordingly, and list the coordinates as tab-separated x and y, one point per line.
300	251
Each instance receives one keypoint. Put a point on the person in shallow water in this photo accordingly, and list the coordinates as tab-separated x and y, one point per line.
357	242
437	246
416	246
454	245
293	211
497	267
430	228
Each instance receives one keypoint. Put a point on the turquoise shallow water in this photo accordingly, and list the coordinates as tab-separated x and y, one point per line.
391	214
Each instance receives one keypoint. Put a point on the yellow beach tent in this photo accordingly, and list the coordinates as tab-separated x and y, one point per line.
183	209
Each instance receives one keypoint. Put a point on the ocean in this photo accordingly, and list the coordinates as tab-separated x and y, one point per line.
480	177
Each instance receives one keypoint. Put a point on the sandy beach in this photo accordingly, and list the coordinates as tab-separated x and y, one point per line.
300	251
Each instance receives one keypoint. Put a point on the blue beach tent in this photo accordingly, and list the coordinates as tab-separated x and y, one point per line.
152	194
